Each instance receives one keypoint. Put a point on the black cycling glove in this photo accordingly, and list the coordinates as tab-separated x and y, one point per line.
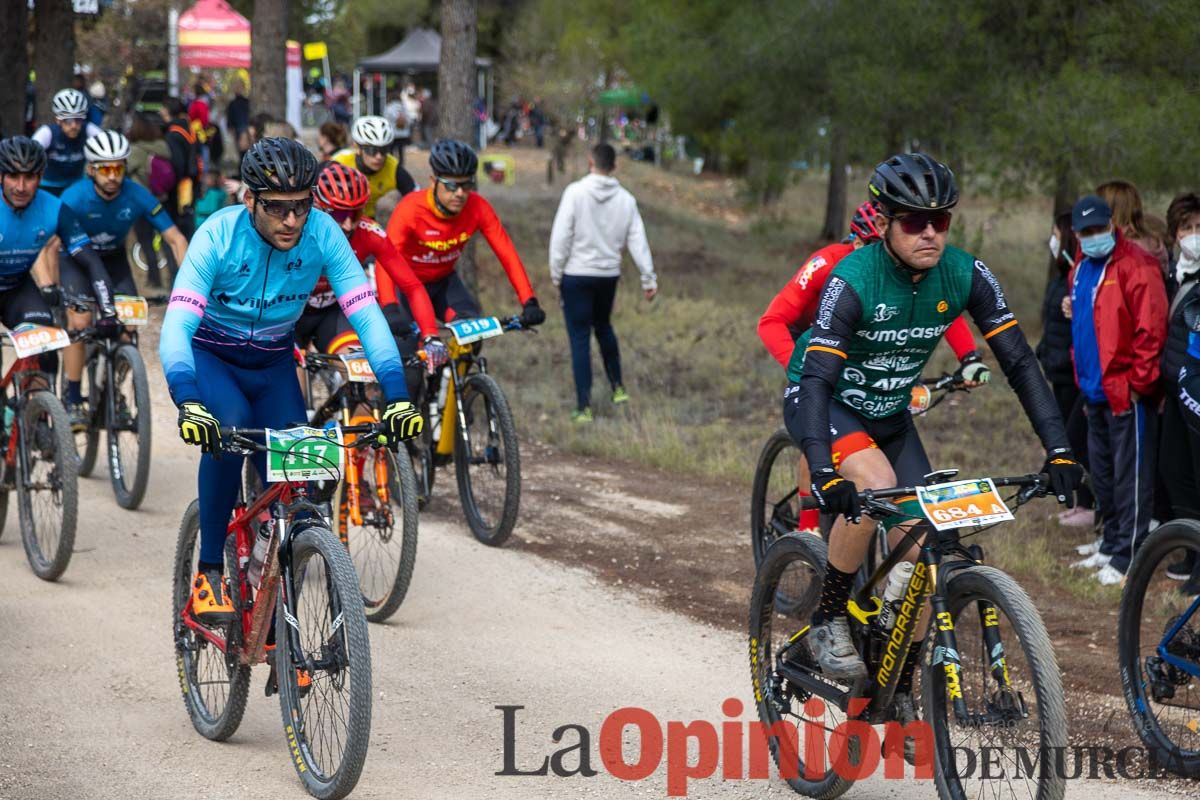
835	494
532	313
1065	474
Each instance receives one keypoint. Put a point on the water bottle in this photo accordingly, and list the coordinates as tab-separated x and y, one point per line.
898	580
261	543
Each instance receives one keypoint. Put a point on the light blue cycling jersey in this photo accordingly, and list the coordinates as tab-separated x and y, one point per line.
107	222
24	233
238	297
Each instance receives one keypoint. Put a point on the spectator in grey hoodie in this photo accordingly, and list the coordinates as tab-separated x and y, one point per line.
596	218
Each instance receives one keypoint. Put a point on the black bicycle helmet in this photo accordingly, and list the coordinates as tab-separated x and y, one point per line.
913	182
276	164
453	158
21	154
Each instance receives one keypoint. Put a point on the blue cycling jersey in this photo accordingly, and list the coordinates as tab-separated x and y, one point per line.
107	222
64	156
24	233
238	297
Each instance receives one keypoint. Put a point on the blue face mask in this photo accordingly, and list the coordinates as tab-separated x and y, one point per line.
1098	246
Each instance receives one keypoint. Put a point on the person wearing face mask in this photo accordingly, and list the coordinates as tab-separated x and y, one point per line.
1179	453
1118	330
1054	353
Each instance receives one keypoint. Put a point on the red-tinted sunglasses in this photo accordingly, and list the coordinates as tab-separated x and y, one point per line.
915	223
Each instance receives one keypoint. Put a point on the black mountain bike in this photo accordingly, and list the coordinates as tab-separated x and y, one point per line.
117	402
1158	648
989	676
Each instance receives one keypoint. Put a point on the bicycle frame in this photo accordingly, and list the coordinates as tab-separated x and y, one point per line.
462	357
1190	667
22	373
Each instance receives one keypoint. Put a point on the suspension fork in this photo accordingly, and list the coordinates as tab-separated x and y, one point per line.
945	651
352	501
382	490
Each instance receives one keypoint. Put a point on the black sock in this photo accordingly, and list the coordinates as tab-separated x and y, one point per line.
904	685
75	392
208	566
834	594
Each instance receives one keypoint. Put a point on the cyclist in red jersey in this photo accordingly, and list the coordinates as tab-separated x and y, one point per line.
791	313
343	192
430	228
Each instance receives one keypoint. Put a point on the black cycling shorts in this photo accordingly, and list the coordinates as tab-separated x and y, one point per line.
24	303
850	433
75	280
449	294
327	329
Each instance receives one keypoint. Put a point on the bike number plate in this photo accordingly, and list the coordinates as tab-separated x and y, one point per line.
962	504
131	310
358	369
31	340
918	402
472	330
304	454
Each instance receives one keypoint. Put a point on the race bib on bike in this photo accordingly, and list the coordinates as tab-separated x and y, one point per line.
31	340
472	330
304	454
918	403
131	310
962	504
358	369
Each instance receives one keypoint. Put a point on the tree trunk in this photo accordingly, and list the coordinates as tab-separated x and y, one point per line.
835	200
1065	191
268	58
53	52
14	62
457	94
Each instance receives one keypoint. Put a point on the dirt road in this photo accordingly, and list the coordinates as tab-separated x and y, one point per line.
90	706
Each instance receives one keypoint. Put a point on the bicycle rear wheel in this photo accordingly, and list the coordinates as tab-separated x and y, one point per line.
129	430
489	468
384	547
214	684
795	565
1028	713
47	485
775	497
325	686
1159	625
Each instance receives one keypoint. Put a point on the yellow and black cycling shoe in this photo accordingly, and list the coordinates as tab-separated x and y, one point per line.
211	605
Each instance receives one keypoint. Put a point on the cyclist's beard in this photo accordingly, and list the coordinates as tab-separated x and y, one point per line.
270	239
901	264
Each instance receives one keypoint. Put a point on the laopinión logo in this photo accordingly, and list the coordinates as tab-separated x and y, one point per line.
740	750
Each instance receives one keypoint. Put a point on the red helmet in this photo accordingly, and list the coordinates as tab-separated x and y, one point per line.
864	224
341	188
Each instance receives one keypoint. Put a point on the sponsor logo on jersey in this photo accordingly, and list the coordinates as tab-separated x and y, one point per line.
902	335
292	266
991	279
259	303
884	312
808	270
829	298
447	244
244	269
125	214
889	361
893	383
371	226
942	306
881	407
854	376
825	341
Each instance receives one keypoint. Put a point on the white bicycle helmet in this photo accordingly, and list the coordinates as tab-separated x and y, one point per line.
372	131
106	146
69	104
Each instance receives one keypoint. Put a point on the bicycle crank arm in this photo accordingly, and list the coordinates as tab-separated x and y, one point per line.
814	684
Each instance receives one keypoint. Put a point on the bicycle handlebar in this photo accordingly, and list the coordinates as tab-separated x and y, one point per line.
875	500
245	437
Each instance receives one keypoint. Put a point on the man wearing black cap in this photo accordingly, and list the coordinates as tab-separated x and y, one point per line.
1118	330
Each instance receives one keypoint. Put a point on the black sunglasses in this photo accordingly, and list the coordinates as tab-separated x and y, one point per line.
913	224
453	186
372	150
281	208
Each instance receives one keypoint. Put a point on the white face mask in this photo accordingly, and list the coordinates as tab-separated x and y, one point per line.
1055	245
1189	246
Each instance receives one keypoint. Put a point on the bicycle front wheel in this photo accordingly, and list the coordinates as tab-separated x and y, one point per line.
489	466
1159	630
87	442
129	429
1014	696
775	496
47	485
383	546
324	665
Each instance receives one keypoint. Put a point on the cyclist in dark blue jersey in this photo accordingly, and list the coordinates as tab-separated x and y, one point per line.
226	343
64	140
29	219
107	206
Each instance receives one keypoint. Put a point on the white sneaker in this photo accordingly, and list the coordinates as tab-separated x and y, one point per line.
1091	548
1110	576
1094	561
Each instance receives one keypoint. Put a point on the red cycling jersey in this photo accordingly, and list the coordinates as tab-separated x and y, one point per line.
431	243
791	312
368	240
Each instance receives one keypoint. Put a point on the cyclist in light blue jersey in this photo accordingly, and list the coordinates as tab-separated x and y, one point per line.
107	206
226	343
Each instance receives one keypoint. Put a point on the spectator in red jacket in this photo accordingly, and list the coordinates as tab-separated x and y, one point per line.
1118	331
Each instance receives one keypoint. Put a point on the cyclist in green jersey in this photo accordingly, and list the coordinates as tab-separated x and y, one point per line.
880	316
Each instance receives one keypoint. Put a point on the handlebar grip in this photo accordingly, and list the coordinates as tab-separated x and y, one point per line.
808	503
